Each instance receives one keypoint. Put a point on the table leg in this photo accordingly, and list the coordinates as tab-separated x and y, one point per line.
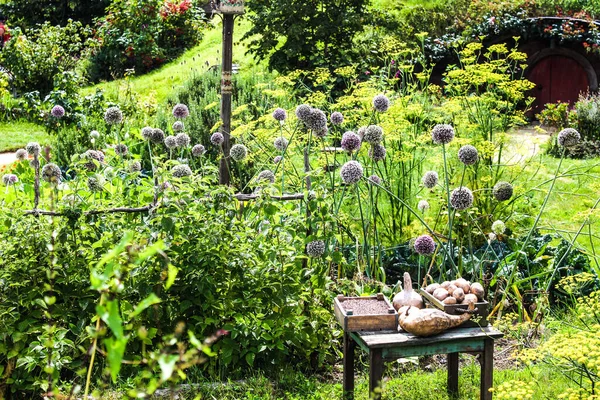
487	370
348	385
452	374
375	373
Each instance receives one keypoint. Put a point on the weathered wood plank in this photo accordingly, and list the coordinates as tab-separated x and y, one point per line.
375	373
453	375
348	384
371	322
459	346
487	370
403	339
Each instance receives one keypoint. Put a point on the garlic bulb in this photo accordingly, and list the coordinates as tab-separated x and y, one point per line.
407	297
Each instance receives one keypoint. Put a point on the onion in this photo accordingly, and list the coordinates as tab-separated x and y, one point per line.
407	297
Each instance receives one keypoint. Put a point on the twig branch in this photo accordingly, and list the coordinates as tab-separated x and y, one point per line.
92	212
285	197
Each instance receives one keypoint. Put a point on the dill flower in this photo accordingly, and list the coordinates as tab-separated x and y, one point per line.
442	134
498	227
198	150
135	166
121	149
336	118
377	152
568	137
57	111
182	139
351	172
316	120
373	134
502	191
424	245
468	155
374	179
277	159
171	142
266	175
303	111
461	198
181	170
51	173
147	133
180	111
423	205
96	183
381	103
157	135
238	152
9	179
177	126
430	179
33	148
350	141
113	116
21	154
279	114
217	138
315	249
281	143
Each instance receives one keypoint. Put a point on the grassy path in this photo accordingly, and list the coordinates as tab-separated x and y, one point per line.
17	134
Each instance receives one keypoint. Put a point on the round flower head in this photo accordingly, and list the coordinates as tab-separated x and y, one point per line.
157	135
96	183
21	154
374	179
424	245
350	141
461	198
109	173
51	173
94	134
113	116
181	170
9	179
377	152
164	186
121	149
568	137
217	138
91	156
280	114
183	140
135	166
373	134
336	118
321	133
492	236
266	175
303	111
423	205
277	159
57	111
198	150
502	191
361	132
315	249
238	152
316	120
498	227
430	179
180	111
281	143
33	148
468	155
177	126
442	134
171	142
381	103
351	172
72	199
147	133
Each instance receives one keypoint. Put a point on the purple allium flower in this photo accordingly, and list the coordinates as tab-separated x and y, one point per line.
373	134
51	173
502	191
381	103
350	141
147	133
568	137
135	166
461	198
113	116
198	150
321	133
177	126
361	132
180	111
21	154
96	183
336	118
315	249
164	186
217	138
57	111
377	152
303	111
266	175
279	114
9	179
181	170
498	227
442	134
430	179
277	159
94	134
424	245
157	135
280	143
423	205
171	142
316	120
351	172
374	179
33	148
183	140
91	156
121	149
238	152
468	155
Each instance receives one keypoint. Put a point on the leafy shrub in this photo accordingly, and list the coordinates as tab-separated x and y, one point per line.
28	13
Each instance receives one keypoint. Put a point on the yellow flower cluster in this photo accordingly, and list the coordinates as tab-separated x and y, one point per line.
578	394
574	283
513	390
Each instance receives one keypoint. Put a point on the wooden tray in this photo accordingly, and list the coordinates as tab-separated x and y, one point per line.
479	318
365	322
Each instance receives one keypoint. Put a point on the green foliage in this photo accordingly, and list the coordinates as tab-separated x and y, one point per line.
28	13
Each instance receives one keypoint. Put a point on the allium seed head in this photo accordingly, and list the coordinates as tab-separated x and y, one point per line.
430	179
321	133
9	179
91	156
94	134
33	148
135	166
502	191
180	111
51	173
303	111
361	132
315	249
171	142
568	137
157	135
217	138
178	126
377	152
147	133
121	149
109	173
492	236
181	170
373	134
350	141
336	118
498	227
96	183
351	172
280	143
21	154
442	134
183	140
238	152
461	198
468	155
374	179
424	245
113	116
198	150
277	159
266	175
423	205
57	111
279	114
381	103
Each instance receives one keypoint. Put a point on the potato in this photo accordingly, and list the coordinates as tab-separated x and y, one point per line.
431	288
445	284
449	300
451	288
477	290
470	298
440	294
459	295
464	285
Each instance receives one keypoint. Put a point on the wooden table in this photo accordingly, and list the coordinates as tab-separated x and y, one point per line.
390	345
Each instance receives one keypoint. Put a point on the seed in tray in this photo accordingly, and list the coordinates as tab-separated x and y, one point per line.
365	307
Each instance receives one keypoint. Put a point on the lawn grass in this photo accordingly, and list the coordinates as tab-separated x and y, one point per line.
17	134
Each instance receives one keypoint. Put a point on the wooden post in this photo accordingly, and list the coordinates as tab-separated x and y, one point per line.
453	375
348	384
226	91
375	373
487	370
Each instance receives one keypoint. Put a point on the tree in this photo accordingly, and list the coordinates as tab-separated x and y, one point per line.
304	33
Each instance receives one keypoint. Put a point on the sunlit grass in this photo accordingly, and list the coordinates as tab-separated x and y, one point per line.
16	134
